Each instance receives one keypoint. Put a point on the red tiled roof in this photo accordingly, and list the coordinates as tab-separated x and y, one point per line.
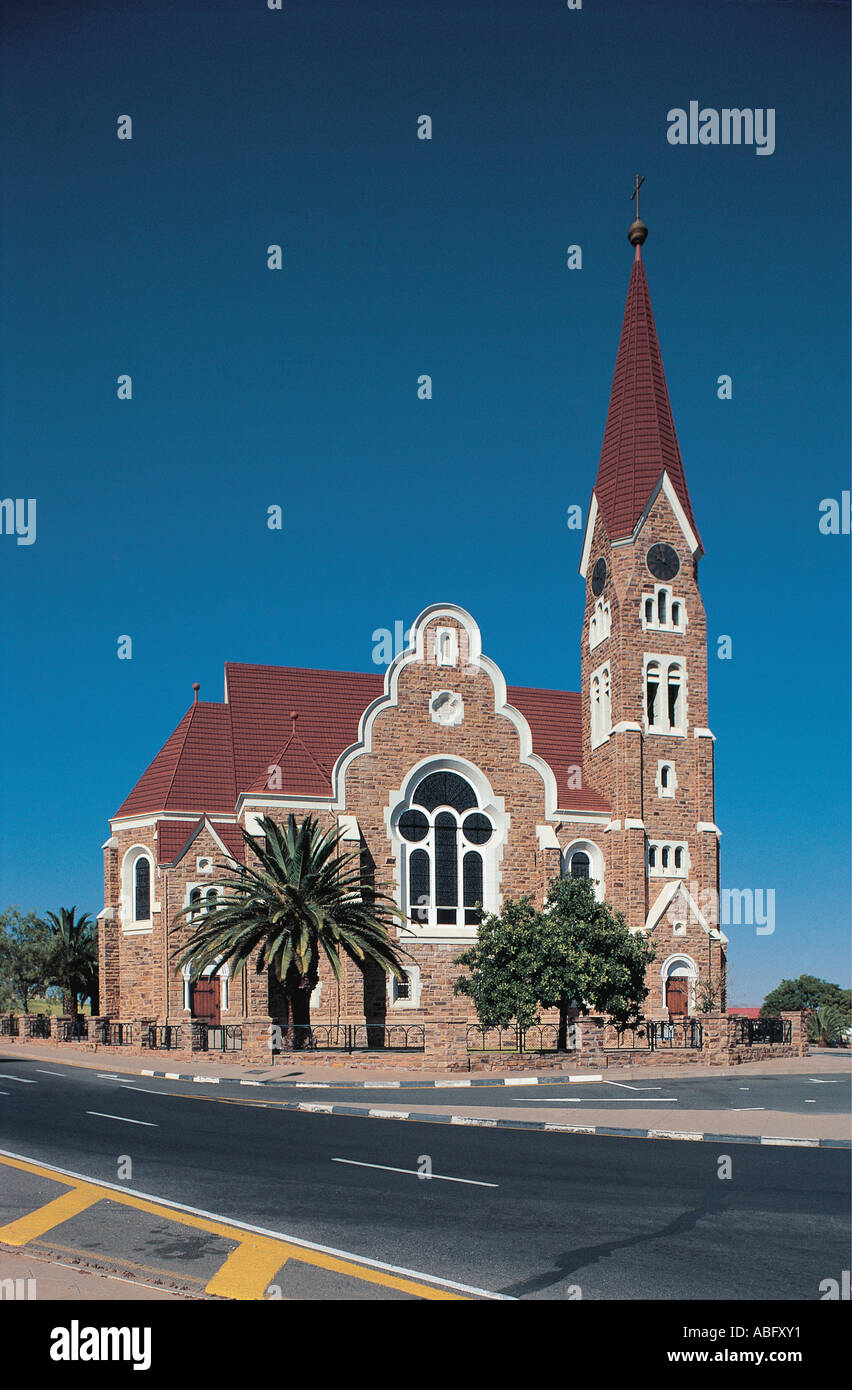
173	835
218	751
193	771
639	438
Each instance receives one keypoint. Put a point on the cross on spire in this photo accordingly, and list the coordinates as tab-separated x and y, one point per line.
640	179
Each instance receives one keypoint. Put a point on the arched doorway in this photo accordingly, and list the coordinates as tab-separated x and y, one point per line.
679	977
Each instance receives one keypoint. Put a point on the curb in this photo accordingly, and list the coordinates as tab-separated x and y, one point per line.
317	1107
561	1080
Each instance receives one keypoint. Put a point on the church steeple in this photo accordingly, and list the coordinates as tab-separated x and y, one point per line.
639	439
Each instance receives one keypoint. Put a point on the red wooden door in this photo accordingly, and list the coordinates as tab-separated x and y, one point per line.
677	997
204	1000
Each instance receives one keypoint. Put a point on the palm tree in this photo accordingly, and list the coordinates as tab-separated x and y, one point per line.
825	1025
73	961
302	901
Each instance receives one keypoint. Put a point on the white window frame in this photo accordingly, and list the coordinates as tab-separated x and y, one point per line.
492	852
224	975
653	624
600	624
666	664
600	705
596	863
446	646
680	967
129	924
206	890
413	1001
656	870
666	793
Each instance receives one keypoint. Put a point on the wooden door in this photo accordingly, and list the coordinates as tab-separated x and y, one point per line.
204	1000
677	998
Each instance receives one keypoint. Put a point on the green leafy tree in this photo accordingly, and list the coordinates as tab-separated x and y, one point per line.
575	951
24	957
73	958
807	992
302	900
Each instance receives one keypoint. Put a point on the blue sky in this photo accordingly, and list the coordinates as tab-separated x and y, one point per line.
298	388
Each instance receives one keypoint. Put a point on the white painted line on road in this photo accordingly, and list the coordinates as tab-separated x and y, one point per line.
5	1093
624	1086
43	1072
207	1080
316	1107
388	1114
445	1084
740	1109
601	1100
24	1080
108	1076
124	1119
818	1082
810	1102
575	1080
385	1085
265	1231
743	1088
414	1172
146	1091
525	1081
251	1083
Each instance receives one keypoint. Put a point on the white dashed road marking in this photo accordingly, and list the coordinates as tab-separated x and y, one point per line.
24	1080
432	1177
124	1119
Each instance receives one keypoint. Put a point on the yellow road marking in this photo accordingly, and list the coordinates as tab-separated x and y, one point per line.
52	1214
248	1270
244	1270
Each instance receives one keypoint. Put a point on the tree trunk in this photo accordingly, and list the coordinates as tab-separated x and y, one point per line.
562	1036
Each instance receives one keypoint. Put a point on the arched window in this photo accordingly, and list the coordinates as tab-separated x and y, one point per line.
661	606
652	856
678	858
142	889
652	690
446	832
665	856
579	865
675	699
675	615
649	610
665	775
600	712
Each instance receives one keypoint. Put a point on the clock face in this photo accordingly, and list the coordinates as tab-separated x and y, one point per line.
663	561
598	576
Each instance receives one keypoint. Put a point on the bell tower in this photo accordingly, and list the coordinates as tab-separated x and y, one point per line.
646	742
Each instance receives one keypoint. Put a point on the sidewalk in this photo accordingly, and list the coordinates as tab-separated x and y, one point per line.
42	1278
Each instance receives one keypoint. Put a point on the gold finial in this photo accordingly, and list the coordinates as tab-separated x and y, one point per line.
638	231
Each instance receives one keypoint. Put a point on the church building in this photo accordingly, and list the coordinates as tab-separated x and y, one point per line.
456	788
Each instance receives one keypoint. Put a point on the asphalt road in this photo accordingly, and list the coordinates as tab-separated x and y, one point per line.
790	1093
526	1215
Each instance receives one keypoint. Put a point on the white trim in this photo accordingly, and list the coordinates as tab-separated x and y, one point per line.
138	822
127	880
679	966
613	825
703	733
666	793
633	824
666	896
111	843
493	806
583	817
627	726
547	837
349	827
390	700
597	868
413	973
709	827
665	484
589	533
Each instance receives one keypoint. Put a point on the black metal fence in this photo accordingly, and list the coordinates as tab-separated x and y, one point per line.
118	1034
217	1037
72	1029
762	1030
658	1036
39	1025
9	1027
349	1037
161	1039
539	1037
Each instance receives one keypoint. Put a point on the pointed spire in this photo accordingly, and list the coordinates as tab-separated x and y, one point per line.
639	440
